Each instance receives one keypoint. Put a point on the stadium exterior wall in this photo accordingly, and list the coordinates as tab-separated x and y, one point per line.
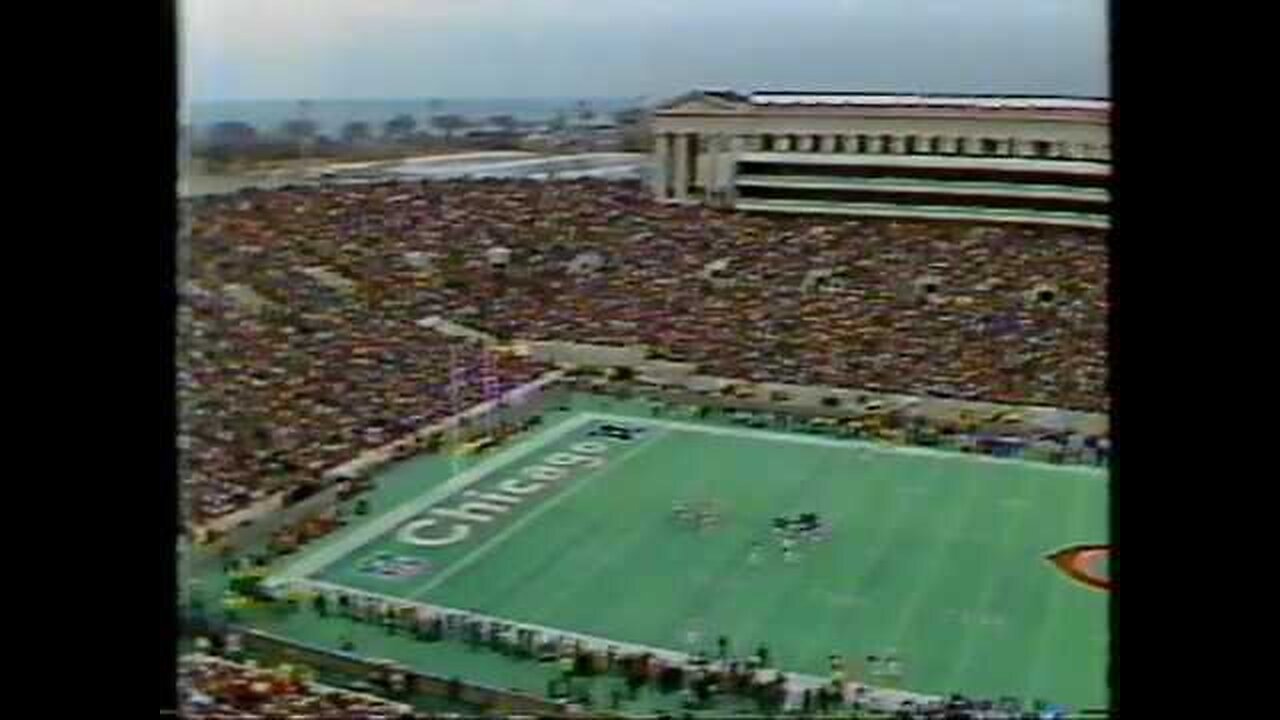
699	138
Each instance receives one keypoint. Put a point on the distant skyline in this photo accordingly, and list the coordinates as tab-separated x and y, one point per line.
388	49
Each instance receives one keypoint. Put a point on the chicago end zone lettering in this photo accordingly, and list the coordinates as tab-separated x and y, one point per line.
484	506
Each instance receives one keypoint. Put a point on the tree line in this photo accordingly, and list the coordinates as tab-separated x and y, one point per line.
228	140
402	128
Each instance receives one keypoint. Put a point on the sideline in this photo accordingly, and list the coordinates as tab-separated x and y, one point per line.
312	562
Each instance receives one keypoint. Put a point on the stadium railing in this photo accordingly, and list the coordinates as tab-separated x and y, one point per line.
338	662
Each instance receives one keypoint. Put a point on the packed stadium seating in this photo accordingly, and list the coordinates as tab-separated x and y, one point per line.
285	371
212	687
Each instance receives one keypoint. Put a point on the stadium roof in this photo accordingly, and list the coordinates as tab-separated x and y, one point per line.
1000	102
1091	109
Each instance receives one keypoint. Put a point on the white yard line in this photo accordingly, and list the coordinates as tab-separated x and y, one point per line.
321	558
793	437
972	640
883	697
345	590
1041	641
590	640
488	546
957	517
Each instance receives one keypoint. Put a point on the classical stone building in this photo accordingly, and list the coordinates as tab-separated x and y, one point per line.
1010	159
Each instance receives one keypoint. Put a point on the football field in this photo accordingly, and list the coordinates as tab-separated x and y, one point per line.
934	557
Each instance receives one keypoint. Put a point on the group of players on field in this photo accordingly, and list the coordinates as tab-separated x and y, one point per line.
787	531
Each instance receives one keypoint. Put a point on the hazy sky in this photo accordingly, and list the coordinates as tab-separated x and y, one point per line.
286	49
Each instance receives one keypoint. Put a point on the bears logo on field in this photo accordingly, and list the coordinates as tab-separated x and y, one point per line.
1086	564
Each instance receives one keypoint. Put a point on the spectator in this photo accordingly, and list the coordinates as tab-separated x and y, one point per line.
215	688
298	347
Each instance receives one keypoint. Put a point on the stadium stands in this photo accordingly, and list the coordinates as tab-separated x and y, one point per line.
299	348
212	687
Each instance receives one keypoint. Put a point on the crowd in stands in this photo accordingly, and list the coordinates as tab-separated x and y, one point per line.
285	371
213	687
1003	433
271	394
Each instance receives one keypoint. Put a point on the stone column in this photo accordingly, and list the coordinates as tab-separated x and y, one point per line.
828	143
661	164
946	145
782	143
682	167
899	145
737	145
804	143
851	143
713	160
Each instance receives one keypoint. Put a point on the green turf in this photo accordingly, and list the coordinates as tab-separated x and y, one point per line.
455	659
938	557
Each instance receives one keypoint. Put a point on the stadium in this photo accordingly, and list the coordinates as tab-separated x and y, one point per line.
1043	160
811	420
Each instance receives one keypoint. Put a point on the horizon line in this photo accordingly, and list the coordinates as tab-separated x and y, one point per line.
417	99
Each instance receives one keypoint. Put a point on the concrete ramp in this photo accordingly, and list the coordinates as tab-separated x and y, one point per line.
584	354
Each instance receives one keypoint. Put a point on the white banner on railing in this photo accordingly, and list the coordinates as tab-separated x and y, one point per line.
883	699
